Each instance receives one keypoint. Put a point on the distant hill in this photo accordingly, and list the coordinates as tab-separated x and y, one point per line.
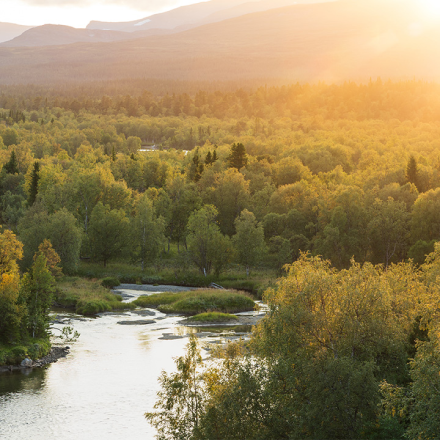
55	35
174	21
183	16
341	40
8	31
187	17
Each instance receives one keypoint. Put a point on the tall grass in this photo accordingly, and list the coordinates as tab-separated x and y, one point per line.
88	297
198	301
171	273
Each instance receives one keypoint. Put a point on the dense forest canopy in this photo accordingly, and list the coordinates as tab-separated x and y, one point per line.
343	181
327	170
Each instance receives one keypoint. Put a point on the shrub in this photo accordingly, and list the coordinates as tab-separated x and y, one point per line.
110	282
195	302
16	355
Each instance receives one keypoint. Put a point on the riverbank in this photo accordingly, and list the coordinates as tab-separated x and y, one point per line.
87	297
55	354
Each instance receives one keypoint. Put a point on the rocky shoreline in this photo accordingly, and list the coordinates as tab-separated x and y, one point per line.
55	354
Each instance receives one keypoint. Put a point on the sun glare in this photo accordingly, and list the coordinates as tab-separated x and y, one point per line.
430	7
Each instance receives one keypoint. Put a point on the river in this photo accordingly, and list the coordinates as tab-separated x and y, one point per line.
101	389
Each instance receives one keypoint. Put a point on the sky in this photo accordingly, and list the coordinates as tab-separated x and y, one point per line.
78	13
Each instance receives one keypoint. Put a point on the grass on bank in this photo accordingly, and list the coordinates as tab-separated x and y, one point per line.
214	317
198	301
33	349
169	272
87	297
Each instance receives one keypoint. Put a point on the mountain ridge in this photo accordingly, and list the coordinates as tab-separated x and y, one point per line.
328	41
8	31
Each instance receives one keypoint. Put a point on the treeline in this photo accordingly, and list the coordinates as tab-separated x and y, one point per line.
376	100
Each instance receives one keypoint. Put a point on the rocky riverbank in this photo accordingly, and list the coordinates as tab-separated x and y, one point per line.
55	354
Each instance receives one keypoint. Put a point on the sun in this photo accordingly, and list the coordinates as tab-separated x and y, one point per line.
430	7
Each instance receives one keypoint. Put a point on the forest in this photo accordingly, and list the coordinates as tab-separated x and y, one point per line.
333	189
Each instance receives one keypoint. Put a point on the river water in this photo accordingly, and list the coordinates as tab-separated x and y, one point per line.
101	389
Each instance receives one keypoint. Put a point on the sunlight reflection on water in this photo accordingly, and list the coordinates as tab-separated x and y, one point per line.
102	388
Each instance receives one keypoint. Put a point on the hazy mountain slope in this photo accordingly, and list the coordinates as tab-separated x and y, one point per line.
183	16
197	14
55	35
254	6
51	34
329	41
161	24
8	31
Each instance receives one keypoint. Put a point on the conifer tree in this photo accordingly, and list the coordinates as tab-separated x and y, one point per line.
35	177
238	157
412	172
208	158
11	167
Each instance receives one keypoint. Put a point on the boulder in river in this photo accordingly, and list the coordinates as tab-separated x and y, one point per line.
144	312
138	322
26	363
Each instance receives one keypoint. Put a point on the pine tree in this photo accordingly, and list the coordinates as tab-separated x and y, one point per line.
238	157
12	166
208	158
35	177
412	172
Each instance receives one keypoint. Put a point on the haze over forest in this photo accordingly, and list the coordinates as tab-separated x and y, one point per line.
234	40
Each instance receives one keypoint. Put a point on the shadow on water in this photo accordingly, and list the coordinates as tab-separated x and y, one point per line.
186	330
220	329
22	381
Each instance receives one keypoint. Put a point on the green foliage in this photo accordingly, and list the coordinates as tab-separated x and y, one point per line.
108	233
238	157
88	297
420	250
34	349
65	236
320	364
180	400
11	167
210	301
157	299
195	302
208	248
35	177
110	282
249	240
37	288
10	137
389	231
412	172
147	233
68	335
60	228
424	420
12	308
